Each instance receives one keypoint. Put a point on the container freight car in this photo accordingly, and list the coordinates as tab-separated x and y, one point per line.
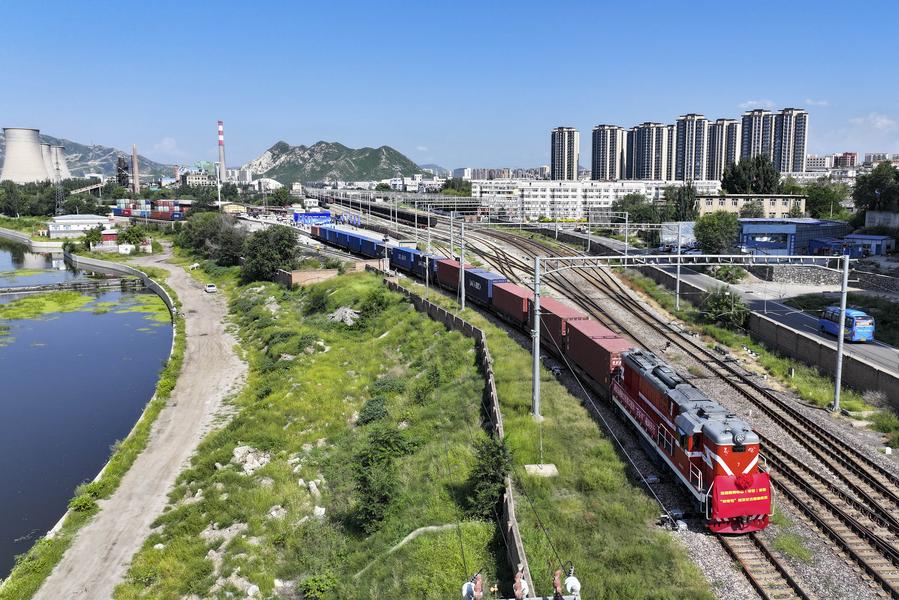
553	325
371	248
448	273
595	349
404	259
479	285
511	301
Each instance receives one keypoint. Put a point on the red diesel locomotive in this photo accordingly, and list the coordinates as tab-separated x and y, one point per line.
714	453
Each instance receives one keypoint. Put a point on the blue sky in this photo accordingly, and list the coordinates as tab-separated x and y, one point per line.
458	83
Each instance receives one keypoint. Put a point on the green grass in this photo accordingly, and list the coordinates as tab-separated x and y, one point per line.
33	567
792	545
885	312
21	273
25	225
809	384
594	515
300	391
35	306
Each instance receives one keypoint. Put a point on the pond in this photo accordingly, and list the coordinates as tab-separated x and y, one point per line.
75	374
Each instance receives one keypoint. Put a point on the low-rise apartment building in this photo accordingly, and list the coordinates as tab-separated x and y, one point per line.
776	206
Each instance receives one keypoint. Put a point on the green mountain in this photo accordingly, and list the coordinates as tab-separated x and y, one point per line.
83	159
330	161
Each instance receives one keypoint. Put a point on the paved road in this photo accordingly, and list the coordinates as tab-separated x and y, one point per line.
102	550
877	353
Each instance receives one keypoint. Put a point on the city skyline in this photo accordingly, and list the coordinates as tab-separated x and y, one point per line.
307	81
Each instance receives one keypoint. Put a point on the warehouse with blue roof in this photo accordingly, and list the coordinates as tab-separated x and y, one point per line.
787	236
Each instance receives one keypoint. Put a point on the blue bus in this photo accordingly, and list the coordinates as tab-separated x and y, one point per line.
859	325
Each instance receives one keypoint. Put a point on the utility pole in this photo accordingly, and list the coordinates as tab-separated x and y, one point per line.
462	267
427	258
535	343
452	226
839	374
626	223
677	283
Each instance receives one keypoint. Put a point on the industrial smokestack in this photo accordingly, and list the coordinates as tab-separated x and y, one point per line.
24	162
222	169
135	171
49	166
59	160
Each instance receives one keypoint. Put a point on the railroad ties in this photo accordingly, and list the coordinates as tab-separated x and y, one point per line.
768	575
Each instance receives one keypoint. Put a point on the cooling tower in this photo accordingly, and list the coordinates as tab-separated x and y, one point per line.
59	159
49	165
24	162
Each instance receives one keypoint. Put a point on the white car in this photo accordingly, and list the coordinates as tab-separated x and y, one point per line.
210	288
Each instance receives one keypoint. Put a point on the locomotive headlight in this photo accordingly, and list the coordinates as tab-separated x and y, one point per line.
740	438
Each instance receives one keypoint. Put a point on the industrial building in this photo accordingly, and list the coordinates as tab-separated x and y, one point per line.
28	160
67	226
873	244
787	236
774	205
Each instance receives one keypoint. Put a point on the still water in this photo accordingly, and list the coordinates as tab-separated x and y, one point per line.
71	384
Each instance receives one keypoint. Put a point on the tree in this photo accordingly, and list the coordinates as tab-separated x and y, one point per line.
230	192
456	187
724	306
823	198
795	211
382	187
92	236
717	232
680	203
755	175
638	207
281	197
752	210
133	235
213	235
791	186
878	190
268	250
493	462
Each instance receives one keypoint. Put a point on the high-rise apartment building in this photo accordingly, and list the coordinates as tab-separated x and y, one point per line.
609	150
651	151
671	158
565	143
758	134
790	140
691	145
725	141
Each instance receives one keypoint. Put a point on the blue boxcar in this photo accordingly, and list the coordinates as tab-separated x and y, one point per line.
404	259
371	248
859	326
354	242
479	284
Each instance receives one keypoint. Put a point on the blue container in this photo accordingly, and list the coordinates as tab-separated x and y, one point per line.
431	266
342	239
354	242
176	216
404	259
117	211
372	248
479	284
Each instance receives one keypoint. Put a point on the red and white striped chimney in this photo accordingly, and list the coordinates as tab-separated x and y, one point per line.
222	170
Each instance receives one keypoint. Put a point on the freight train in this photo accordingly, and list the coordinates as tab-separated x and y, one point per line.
712	452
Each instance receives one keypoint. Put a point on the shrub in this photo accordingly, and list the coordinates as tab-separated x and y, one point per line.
373	409
723	306
82	503
487	478
728	273
316	300
318	586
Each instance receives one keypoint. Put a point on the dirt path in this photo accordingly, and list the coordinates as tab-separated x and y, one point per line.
102	550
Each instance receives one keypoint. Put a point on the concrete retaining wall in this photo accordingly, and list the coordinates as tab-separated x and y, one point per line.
509	522
33	245
107	267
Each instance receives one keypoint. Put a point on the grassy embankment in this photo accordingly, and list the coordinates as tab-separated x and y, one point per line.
594	515
807	382
27	225
395	391
35	565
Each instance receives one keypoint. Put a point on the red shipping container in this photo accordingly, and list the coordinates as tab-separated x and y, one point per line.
595	349
554	315
162	216
126	212
511	301
448	273
314	231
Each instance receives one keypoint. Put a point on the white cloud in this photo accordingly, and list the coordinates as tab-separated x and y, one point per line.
169	149
811	102
421	148
757	104
875	120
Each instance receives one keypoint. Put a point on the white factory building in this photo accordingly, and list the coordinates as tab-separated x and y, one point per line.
514	198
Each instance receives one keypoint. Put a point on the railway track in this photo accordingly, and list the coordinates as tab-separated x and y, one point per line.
862	523
765	572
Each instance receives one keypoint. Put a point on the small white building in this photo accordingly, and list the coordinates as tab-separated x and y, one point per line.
67	226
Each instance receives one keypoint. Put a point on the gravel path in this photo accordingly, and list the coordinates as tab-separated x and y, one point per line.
102	550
